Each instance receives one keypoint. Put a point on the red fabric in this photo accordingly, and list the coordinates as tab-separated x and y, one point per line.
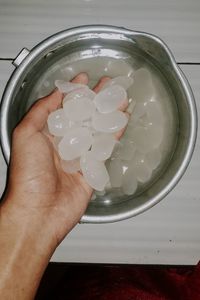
119	282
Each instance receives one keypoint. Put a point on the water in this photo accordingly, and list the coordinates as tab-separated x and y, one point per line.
160	93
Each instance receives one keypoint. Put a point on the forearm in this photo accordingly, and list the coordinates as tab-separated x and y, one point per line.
24	254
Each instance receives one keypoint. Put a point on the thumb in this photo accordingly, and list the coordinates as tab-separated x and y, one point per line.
36	118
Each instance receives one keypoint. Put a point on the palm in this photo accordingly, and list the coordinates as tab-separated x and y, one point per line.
58	197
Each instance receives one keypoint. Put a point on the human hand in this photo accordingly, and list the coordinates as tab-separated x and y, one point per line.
39	191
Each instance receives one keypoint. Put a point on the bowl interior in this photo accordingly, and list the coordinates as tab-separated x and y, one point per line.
130	55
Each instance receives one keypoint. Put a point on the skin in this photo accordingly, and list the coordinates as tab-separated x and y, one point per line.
41	203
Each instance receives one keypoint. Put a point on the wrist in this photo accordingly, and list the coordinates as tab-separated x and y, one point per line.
25	253
25	227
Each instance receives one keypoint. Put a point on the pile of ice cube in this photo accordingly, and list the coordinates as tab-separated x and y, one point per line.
85	132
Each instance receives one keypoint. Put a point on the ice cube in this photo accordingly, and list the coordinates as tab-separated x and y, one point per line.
56	140
142	89
80	93
146	138
125	166
131	106
110	122
129	181
128	131
121	132
94	171
123	81
57	123
75	142
87	123
79	109
154	112
126	150
67	87
153	158
115	172
75	124
155	134
138	111
139	136
93	196
117	192
110	99
102	146
108	186
142	170
115	153
100	193
71	166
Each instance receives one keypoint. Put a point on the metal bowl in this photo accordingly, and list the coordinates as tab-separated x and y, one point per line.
75	44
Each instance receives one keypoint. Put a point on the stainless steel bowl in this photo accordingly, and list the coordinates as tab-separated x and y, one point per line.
102	40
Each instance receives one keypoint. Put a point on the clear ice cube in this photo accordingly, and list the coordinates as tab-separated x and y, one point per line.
94	171
123	81
93	196
56	140
142	89
102	146
142	170
115	153
154	112
79	109
57	123
126	150
146	138
67	87
115	172
71	166
80	93
129	181
155	134
100	193
109	99
131	106
138	111
75	142
110	122
154	158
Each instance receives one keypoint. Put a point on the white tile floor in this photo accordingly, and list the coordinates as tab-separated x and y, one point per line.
169	232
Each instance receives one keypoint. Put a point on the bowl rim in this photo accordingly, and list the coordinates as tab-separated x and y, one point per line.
4	138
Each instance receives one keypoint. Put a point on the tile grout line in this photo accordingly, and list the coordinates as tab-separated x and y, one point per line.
6	59
189	63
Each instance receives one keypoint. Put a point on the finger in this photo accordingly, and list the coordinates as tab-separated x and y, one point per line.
123	105
81	78
101	83
36	118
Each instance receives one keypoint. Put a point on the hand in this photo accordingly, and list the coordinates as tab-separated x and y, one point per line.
39	192
38	189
